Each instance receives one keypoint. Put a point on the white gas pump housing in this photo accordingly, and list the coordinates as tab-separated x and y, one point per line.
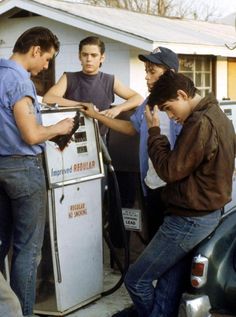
70	273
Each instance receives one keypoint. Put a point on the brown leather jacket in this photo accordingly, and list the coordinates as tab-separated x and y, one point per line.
199	170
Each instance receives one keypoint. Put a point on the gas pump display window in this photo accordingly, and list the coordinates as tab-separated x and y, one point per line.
80	137
82	149
81	121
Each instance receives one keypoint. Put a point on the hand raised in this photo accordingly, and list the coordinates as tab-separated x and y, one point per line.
152	117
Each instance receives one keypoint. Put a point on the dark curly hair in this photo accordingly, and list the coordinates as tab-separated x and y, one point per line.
167	86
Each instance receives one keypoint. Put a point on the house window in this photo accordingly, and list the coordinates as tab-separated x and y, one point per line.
199	69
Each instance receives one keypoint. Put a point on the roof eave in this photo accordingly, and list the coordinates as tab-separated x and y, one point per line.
78	22
128	38
199	49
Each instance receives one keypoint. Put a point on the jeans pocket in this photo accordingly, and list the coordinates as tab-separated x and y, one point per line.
37	179
17	183
197	229
177	228
192	235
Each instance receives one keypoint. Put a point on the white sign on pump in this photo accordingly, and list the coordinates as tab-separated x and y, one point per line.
80	158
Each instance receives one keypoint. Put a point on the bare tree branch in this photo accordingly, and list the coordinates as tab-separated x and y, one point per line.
168	8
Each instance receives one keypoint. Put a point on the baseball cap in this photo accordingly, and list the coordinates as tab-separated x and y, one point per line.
162	56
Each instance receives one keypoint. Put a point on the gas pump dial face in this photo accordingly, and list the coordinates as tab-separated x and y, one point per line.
80	158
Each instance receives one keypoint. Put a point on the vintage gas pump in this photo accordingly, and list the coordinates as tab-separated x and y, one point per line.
70	273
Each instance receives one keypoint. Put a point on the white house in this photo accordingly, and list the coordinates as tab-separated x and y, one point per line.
200	45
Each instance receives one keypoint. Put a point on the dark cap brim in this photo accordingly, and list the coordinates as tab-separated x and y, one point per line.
151	58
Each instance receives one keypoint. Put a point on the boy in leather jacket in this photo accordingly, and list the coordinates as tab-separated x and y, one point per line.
198	172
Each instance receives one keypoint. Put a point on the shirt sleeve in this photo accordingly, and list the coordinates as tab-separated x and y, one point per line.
17	90
138	116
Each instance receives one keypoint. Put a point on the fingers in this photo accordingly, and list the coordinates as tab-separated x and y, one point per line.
83	106
155	117
148	116
70	122
155	109
148	112
152	116
111	113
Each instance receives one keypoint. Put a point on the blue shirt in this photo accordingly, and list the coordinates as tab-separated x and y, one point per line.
140	124
15	84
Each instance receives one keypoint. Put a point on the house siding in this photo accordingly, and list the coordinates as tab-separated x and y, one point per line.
121	59
118	60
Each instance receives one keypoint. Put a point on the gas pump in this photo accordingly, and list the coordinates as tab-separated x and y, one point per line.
70	273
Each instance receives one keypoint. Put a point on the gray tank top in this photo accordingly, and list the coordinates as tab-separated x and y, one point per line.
98	89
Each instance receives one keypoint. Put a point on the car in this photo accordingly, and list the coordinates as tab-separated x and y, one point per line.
212	289
212	286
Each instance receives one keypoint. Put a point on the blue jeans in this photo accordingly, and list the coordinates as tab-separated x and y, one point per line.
22	219
9	303
163	261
